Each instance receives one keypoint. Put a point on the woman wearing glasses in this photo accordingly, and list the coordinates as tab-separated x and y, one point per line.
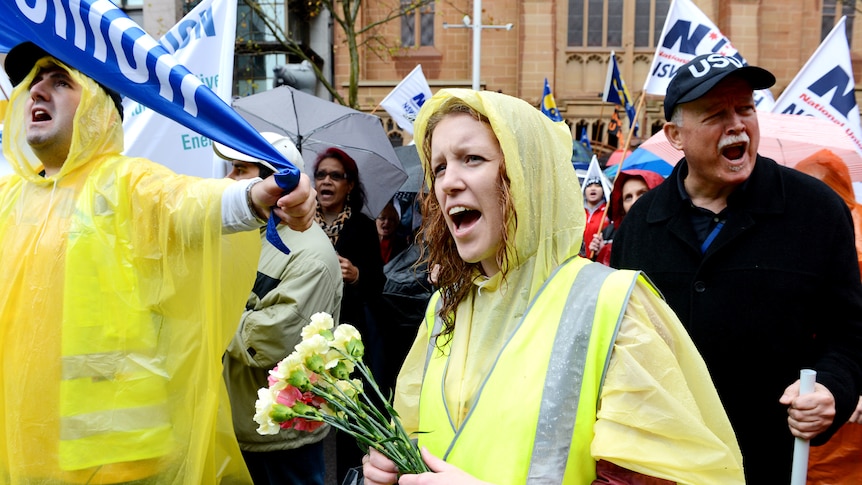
340	198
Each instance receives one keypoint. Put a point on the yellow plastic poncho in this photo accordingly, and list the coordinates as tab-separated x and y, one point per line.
117	299
659	415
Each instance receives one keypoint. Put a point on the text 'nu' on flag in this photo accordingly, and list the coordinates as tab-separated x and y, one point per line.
688	33
203	41
824	88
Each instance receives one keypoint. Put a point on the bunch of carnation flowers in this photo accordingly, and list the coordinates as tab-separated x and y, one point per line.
313	386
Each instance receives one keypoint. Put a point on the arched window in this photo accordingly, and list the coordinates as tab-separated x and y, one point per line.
599	23
417	26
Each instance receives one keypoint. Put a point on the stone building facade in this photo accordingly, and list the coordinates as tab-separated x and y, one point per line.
566	41
569	42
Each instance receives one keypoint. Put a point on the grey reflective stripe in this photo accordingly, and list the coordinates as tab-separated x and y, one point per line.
432	341
114	420
496	359
562	389
106	365
432	337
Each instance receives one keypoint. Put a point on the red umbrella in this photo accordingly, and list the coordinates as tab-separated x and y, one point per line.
617	156
785	138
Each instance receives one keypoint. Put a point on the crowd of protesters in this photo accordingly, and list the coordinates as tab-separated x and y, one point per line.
135	325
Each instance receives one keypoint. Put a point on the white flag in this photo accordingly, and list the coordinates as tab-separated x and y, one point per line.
6	87
688	33
5	169
203	41
825	86
403	102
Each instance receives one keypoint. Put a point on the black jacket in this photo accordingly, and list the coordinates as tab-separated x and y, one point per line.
778	291
358	242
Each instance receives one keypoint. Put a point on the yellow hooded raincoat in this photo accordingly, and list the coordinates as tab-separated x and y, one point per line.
658	413
118	297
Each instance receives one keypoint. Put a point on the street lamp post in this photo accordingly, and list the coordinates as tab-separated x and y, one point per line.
477	27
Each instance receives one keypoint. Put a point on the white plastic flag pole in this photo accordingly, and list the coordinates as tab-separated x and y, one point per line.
799	471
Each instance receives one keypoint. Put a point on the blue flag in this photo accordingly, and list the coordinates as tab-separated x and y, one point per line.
616	91
549	106
585	140
100	40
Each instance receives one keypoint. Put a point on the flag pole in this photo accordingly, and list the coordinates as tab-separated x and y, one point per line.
601	117
799	467
638	107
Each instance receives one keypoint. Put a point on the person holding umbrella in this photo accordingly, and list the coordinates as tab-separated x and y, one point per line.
759	262
340	197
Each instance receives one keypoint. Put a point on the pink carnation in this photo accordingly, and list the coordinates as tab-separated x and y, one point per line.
288	396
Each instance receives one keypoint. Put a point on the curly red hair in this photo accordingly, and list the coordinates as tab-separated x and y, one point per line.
455	275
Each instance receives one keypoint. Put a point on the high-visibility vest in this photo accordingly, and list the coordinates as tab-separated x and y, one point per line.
114	379
532	420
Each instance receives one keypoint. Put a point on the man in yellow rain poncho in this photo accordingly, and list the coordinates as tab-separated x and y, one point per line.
122	284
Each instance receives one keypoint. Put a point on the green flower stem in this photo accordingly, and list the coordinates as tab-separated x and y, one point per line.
358	413
400	432
374	430
358	416
400	461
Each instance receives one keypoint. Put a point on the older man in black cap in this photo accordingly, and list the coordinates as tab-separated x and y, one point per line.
758	261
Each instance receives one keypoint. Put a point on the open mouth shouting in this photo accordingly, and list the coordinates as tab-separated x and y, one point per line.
734	148
463	218
39	115
735	151
326	191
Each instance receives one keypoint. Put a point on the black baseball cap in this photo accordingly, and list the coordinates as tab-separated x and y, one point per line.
21	59
699	75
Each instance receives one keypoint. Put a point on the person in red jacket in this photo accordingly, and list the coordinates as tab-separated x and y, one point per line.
595	210
629	186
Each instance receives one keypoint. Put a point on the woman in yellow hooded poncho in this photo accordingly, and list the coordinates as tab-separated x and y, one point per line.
118	297
533	365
